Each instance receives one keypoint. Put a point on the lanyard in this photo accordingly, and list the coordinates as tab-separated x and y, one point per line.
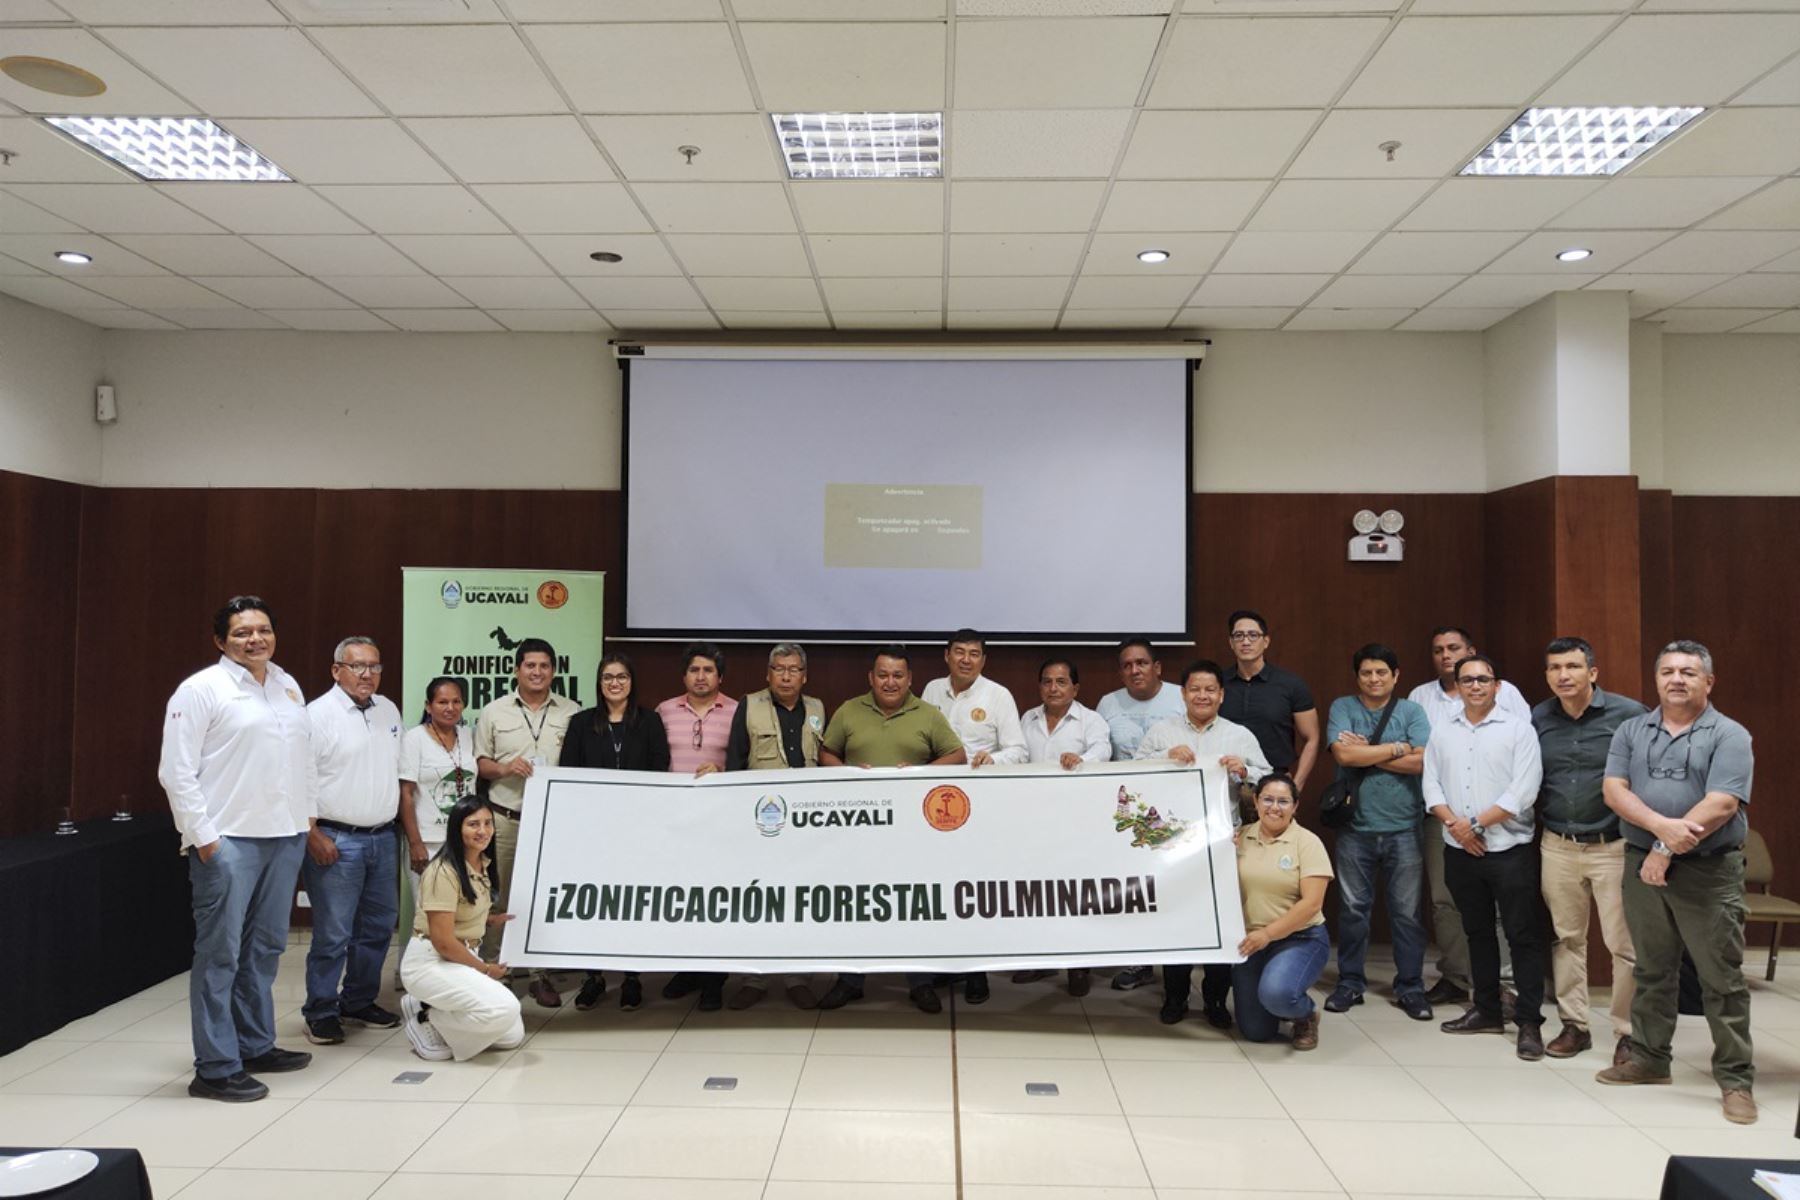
542	721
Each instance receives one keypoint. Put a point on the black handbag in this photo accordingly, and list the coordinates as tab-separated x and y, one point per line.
1337	807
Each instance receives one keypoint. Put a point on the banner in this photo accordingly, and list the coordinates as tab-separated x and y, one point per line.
919	869
464	622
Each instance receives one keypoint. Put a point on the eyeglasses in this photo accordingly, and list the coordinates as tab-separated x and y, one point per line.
697	721
1248	635
787	670
360	668
1475	680
615	679
1276	802
1657	771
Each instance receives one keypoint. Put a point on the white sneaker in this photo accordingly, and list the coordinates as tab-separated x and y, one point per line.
427	1042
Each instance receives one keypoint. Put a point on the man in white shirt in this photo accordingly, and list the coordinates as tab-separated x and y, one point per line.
1450	644
1062	729
352	851
237	766
1481	777
1200	735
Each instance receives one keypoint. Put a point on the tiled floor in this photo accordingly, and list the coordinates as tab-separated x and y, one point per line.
879	1102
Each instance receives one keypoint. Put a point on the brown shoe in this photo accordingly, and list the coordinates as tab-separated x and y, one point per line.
1740	1106
545	993
1629	1073
1474	1022
1570	1042
1622	1051
1306	1034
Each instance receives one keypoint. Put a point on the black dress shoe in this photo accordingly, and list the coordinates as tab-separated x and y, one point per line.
1531	1043
1217	1015
712	995
924	997
840	994
682	983
1174	1011
631	993
1080	980
975	990
275	1060
1445	992
1474	1021
233	1089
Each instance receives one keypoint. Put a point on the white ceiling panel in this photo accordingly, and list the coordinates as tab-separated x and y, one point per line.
45	156
550	320
414	208
114	208
615	10
164	291
1015	254
1036	143
568	254
761	254
245	72
1677	59
838	10
387	12
1247	144
1347	318
515	292
1650	293
39	249
1189	253
1444	62
1258	291
128	89
1299	252
1612	250
564	207
220	318
1061	8
877	67
16	216
1337	204
1006	292
478	254
1497	204
882	295
1710	251
341	151
261	207
469	70
733	318
332	320
52	293
717	207
1432	253
1002	319
654	320
1452	8
1780	86
855	206
1233	317
1116	318
1787	322
173	12
1168	292
642	293
1243	63
265	293
120	318
1054	63
1510	291
203	254
1453	320
1775	207
12	266
920	319
1154	205
1389	291
1767	290
396	291
514	149
898	255
1787	262
1433	142
1649	203
619	68
1730	141
22	11
773	295
1035	207
733	147
440	320
322	255
1711	320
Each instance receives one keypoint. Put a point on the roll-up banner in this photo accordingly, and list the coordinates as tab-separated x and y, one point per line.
919	869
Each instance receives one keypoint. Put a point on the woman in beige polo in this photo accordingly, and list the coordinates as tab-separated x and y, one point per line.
1283	871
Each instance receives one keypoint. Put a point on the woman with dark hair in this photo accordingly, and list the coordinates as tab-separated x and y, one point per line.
471	1008
437	768
1283	871
615	735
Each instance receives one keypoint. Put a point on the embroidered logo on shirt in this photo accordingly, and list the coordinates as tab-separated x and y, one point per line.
293	695
979	714
1286	863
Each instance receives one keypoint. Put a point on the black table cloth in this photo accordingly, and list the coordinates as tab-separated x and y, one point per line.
120	1175
89	919
1690	1178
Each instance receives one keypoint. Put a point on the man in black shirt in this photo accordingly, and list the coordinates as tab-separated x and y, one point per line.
1272	703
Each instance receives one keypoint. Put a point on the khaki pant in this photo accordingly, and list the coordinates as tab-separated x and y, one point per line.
1575	873
505	847
470	1011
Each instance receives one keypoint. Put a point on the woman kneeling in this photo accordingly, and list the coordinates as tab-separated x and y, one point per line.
469	1007
1283	872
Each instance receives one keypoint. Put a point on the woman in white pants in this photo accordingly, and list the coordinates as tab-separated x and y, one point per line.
456	1005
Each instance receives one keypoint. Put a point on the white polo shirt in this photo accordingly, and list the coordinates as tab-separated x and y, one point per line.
1081	731
1220	738
984	716
237	755
356	758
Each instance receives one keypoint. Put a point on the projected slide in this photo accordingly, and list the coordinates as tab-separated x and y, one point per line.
875	498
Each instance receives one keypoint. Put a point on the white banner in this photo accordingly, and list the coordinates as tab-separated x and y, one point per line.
920	869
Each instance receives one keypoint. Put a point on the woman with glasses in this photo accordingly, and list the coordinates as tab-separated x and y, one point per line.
615	735
1283	871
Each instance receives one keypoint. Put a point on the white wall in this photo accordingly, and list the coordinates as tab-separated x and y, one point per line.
1593	383
49	365
356	410
1339	412
1519	417
1731	414
1647	404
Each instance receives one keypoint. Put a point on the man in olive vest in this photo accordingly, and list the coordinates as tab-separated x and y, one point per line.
777	729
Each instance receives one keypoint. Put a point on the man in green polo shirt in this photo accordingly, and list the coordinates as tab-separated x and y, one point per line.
888	727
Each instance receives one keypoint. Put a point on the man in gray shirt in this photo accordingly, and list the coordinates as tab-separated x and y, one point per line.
1679	779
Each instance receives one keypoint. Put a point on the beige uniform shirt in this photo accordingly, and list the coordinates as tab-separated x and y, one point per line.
1269	872
508	729
441	891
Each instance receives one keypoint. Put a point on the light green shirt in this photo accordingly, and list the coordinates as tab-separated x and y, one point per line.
916	734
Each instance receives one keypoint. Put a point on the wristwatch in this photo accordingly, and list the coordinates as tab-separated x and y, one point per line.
1661	847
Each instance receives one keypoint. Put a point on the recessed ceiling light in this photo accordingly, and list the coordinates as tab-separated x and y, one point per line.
53	76
1577	141
74	258
866	145
606	256
171	148
1153	256
1573	254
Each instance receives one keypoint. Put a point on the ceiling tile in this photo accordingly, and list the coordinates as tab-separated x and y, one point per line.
46	156
909	254
287	292
1015	254
204	254
1003	319
245	72
1390	291
1729	141
1612	249
12	266
641	293
1036	144
1787	262
651	320
1431	253
161	292
1687	59
1775	207
619	68
466	70
761	254
564	207
1647	203
1132	291
877	67
550	320
414	208
341	151
717	207
1444	62
114	208
1279	252
396	291
1245	144
1433	142
1258	291
644	253
1337	204
1780	86
1116	318
340	320
1046	206
1347	318
514	149
1711	320
879	295
515	292
920	319
1061	8
1228	317
39	249
220	318
53	293
22	11
837	10
1708	251
870	206
1787	322
1241	63
1650	293
1155	206
1006	292
1514	291
16	216
387	12
128	89
1460	7
763	319
119	318
471	254
1751	291
733	146
1054	63
774	295
320	255
440	320
261	207
1453	320
1496	204
174	12
1189	253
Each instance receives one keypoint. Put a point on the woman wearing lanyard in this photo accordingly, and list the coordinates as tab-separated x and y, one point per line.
437	768
615	735
1283	871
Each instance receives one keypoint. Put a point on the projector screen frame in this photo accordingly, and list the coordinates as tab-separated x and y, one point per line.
843	637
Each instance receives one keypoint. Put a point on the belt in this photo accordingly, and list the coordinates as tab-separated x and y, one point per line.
511	814
384	827
1586	839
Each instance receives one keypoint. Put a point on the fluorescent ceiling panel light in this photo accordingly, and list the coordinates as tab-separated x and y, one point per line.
1578	141
189	148
864	145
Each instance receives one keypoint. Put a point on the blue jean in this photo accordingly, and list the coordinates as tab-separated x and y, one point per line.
355	903
1360	856
1271	984
241	903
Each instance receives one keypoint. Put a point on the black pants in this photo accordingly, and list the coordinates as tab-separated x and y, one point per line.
1215	982
1503	882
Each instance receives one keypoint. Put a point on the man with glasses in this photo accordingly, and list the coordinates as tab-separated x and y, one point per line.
352	849
1583	852
1271	703
1679	779
1482	770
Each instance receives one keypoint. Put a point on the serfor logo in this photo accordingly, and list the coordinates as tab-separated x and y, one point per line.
771	815
946	807
450	593
552	593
